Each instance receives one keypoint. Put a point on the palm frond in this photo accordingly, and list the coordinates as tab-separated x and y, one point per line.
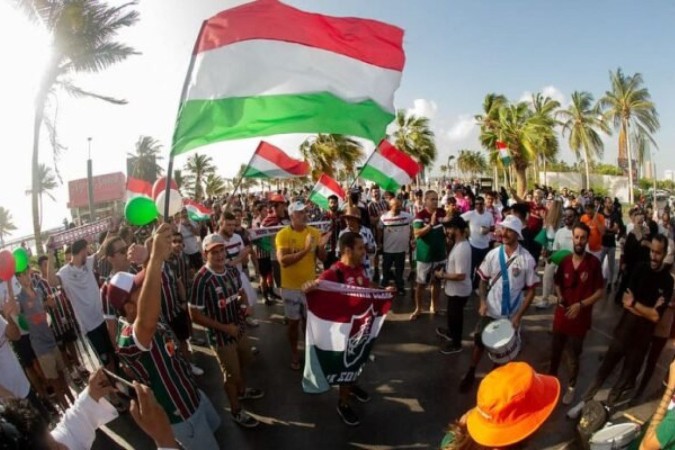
78	92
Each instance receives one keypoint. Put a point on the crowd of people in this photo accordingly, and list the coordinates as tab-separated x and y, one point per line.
133	299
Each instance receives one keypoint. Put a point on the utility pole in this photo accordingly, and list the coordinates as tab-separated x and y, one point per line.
90	183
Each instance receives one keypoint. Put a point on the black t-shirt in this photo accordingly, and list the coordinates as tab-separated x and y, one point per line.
609	238
647	286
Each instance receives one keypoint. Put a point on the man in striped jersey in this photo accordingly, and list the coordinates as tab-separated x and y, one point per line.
376	208
148	348
215	304
394	231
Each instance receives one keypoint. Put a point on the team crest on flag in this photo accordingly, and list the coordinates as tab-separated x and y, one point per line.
359	336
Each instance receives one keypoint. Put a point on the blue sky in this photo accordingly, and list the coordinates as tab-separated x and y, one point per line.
457	51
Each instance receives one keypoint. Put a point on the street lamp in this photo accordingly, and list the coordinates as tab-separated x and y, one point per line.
450	158
90	183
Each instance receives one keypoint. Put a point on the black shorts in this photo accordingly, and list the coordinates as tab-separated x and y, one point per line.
100	341
276	272
265	266
483	322
24	351
196	261
66	337
181	326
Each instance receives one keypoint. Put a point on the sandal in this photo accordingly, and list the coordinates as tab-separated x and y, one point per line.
414	315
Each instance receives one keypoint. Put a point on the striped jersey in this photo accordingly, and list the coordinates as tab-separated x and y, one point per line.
216	295
180	265
171	305
233	247
162	368
61	314
376	209
395	231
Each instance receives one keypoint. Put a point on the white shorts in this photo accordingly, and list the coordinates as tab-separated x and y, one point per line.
295	304
425	271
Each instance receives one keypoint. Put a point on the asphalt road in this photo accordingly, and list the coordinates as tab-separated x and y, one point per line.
413	387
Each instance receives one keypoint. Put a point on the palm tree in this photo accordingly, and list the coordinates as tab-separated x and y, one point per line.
82	34
214	185
144	161
582	121
198	168
6	225
332	154
444	170
471	162
547	147
629	105
413	135
46	183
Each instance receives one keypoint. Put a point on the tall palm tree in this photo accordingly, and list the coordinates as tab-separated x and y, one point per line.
444	170
214	185
488	122
547	147
471	162
46	183
413	135
198	168
6	225
332	154
628	105
144	161
582	121
82	34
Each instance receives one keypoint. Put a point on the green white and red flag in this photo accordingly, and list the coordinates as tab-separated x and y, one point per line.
343	323
390	168
265	68
504	154
138	188
196	211
324	188
271	162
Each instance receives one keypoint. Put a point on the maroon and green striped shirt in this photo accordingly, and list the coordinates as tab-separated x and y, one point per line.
171	306
162	368
61	314
216	295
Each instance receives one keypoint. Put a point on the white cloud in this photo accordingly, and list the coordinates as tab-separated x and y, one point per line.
461	128
547	91
424	107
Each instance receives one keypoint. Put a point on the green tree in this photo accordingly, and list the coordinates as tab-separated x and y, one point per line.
46	183
198	168
547	147
82	34
332	154
628	105
444	170
214	185
144	160
6	225
582	122
413	135
471	162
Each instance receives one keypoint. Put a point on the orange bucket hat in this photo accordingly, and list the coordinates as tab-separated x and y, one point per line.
512	402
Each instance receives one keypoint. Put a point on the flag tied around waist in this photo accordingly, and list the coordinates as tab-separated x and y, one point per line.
343	323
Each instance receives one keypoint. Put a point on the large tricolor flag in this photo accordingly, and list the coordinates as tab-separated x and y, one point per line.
196	211
389	167
265	68
342	325
271	162
504	154
138	188
324	188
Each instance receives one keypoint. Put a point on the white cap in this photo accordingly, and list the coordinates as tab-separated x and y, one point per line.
296	206
513	223
212	240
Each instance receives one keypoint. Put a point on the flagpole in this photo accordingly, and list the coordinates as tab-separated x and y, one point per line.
364	165
241	178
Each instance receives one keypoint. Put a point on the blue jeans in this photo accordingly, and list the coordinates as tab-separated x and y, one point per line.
197	431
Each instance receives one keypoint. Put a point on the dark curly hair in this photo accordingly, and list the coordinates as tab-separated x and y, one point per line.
22	427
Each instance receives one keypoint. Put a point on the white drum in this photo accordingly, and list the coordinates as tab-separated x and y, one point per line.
501	341
614	437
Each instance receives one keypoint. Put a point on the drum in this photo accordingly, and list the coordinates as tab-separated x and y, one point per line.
501	341
614	437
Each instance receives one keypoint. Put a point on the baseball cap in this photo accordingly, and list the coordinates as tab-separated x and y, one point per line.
121	286
212	240
296	206
277	198
513	401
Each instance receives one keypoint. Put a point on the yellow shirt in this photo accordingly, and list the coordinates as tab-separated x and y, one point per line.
294	276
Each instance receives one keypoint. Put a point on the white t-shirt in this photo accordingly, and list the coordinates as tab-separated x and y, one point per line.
395	231
476	238
459	261
190	241
233	247
82	290
16	287
13	378
522	274
563	240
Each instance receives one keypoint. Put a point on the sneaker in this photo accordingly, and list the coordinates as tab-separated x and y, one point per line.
443	333
255	350
245	419
540	303
251	322
568	398
449	349
196	370
348	415
575	411
274	295
467	382
359	394
251	394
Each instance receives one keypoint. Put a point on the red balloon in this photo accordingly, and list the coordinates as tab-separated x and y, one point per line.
7	265
160	185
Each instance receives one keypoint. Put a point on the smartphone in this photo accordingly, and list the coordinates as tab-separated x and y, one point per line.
123	386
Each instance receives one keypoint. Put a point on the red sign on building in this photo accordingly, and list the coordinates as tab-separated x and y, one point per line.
107	188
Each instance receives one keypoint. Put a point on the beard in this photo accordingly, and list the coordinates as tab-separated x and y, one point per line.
579	250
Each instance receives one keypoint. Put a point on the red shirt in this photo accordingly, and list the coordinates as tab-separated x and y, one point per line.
576	285
342	273
535	220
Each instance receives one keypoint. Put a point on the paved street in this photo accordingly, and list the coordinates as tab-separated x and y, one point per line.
413	387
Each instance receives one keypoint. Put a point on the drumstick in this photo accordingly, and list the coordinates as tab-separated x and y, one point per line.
632	418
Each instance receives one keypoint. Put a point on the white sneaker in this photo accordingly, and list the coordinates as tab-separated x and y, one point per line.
196	370
575	412
251	322
568	398
540	303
